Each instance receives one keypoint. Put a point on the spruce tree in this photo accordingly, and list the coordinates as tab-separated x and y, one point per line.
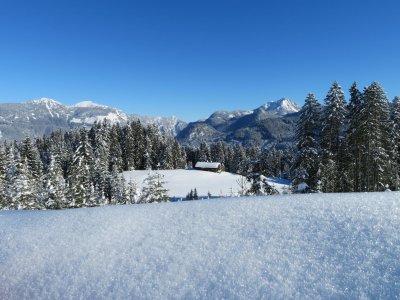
306	163
375	134
204	152
55	186
331	135
354	138
395	153
81	172
132	192
3	202
153	190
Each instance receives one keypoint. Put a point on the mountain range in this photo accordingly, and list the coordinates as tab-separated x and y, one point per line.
272	122
43	116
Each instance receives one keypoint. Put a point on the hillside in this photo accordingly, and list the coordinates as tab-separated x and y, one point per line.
305	246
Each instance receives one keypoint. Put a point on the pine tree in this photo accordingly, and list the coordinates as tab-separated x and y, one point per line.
167	159
153	190
115	154
204	152
239	164
306	163
375	134
147	157
81	172
132	192
331	134
354	138
30	153
395	153
217	152
128	148
3	171
23	187
55	186
101	154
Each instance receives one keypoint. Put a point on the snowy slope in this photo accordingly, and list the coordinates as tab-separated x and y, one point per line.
294	246
180	182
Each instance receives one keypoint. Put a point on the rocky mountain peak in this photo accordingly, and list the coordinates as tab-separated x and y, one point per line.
281	107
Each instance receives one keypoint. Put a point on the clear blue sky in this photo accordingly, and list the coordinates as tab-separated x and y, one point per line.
190	58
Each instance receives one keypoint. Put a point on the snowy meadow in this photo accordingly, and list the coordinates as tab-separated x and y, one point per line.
285	246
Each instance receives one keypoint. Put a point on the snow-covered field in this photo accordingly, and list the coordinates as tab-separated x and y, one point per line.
180	182
291	246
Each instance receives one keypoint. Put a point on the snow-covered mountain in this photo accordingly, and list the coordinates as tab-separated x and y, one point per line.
42	116
271	123
281	107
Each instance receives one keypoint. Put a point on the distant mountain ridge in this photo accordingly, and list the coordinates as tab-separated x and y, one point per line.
45	115
271	123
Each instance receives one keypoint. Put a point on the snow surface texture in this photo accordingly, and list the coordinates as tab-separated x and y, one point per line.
180	182
292	246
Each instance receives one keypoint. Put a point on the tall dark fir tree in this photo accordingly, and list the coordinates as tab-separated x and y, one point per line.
306	163
375	134
331	137
354	139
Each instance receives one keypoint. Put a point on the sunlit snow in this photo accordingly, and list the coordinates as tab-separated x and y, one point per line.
294	246
180	182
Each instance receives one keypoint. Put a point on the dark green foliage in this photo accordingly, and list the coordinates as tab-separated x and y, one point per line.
375	131
306	164
331	137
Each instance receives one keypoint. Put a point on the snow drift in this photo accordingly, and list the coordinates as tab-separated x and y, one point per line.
297	246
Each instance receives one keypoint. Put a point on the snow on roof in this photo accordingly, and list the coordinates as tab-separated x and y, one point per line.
207	165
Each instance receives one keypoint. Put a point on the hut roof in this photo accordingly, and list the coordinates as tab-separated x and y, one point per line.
207	165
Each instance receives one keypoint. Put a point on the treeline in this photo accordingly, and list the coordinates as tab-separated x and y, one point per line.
82	168
349	147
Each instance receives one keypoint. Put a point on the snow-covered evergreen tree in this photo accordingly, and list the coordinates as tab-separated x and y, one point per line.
239	163
132	192
3	202
375	133
30	153
167	159
80	177
55	186
354	138
217	152
148	157
204	152
331	135
395	152
128	148
306	164
24	193
154	190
